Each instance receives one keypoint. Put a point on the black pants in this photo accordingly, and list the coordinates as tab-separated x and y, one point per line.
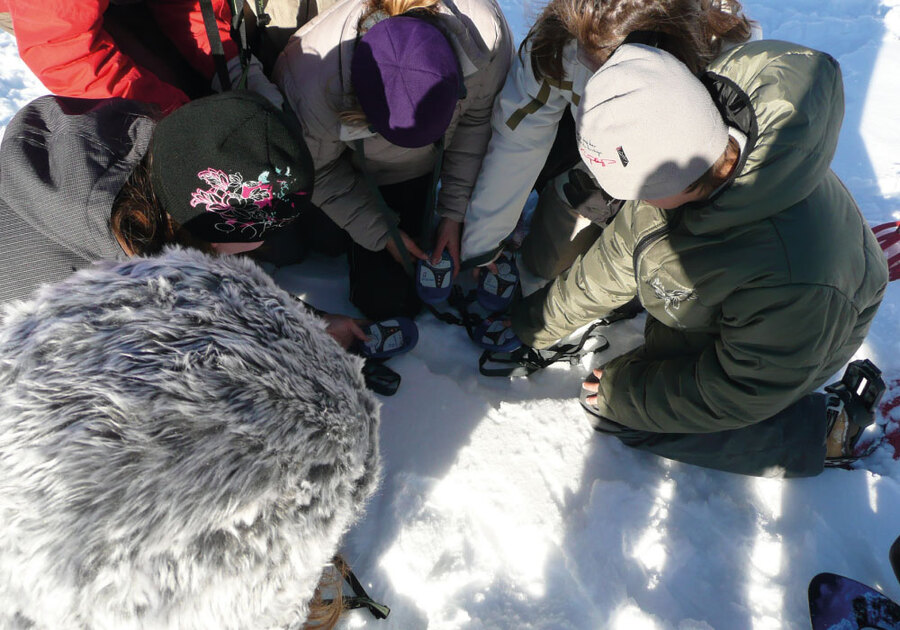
789	444
379	286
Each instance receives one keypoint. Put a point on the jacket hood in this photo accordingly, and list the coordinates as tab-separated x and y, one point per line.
64	160
789	100
181	445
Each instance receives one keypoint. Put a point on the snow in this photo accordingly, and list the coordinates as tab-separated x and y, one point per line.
500	507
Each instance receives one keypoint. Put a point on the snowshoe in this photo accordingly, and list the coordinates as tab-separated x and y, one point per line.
495	335
388	338
850	408
836	601
434	282
495	291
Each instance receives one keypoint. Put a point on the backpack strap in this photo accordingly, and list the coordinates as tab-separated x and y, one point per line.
388	214
215	43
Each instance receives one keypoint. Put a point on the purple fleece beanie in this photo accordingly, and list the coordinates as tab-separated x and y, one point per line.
406	78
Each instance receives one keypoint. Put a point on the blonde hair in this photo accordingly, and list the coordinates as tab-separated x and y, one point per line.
354	115
694	30
325	613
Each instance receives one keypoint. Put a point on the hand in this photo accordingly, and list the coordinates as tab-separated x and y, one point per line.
447	238
411	247
593	386
491	267
345	330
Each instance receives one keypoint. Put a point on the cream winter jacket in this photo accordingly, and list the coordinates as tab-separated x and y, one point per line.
526	116
314	73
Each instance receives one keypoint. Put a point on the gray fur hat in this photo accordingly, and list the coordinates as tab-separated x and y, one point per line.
181	446
646	127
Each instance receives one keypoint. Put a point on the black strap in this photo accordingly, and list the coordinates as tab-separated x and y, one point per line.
431	204
386	212
239	33
526	361
361	599
215	43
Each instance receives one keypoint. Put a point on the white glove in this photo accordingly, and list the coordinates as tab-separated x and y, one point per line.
257	81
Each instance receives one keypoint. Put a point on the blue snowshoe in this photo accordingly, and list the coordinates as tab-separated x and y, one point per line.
388	338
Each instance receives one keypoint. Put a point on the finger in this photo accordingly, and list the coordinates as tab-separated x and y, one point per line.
438	252
453	248
598	372
591	400
356	330
414	250
492	267
590	386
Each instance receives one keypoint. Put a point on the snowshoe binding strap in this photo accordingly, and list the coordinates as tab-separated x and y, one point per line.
855	397
525	361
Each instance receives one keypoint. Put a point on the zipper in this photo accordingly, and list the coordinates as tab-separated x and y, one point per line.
646	242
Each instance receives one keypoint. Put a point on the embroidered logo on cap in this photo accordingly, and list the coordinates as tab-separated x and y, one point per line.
622	156
249	206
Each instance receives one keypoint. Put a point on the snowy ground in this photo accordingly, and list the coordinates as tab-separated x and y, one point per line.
501	509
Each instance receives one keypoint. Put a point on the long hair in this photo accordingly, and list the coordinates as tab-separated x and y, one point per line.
695	30
324	613
139	222
354	115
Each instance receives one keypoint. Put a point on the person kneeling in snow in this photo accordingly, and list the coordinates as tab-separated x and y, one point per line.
759	275
84	180
181	445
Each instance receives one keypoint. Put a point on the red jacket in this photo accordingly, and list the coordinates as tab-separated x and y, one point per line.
64	44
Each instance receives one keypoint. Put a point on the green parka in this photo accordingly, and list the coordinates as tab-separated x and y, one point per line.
754	297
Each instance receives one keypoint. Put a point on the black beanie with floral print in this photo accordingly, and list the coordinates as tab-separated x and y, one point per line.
231	168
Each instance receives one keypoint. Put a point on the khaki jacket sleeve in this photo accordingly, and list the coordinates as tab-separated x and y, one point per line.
464	154
772	343
340	190
599	281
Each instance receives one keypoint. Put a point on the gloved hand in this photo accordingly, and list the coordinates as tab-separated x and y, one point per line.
256	80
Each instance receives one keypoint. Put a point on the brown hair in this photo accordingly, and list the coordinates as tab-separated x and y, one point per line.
390	8
325	613
138	221
718	173
694	30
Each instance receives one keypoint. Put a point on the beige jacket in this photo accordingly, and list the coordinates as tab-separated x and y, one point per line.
314	73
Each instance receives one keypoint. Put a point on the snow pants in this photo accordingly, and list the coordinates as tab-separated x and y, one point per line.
379	286
789	444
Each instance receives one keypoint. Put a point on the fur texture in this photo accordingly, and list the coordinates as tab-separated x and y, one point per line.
181	446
